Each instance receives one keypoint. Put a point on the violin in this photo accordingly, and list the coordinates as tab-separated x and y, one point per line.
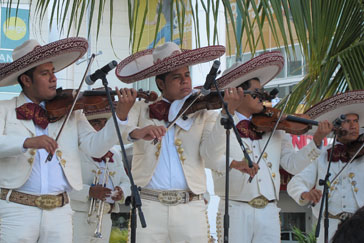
208	102
262	122
90	100
267	119
212	101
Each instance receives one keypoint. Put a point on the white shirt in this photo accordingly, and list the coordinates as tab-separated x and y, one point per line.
169	174
46	177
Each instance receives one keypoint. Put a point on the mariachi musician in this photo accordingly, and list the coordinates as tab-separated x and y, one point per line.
102	181
171	172
34	202
345	196
254	215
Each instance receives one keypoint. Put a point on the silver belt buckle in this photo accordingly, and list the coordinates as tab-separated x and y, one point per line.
47	202
170	198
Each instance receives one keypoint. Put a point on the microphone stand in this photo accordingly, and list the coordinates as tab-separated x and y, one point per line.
135	197
325	199
228	123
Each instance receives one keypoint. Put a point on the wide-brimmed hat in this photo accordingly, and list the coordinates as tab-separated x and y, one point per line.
30	54
351	102
163	59
264	67
99	113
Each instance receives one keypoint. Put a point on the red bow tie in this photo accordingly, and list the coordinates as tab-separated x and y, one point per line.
159	110
103	158
32	111
245	130
340	153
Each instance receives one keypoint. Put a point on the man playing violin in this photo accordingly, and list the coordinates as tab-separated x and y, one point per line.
34	201
254	215
345	196
171	173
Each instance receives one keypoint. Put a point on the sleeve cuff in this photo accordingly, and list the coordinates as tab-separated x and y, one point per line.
22	148
130	139
120	122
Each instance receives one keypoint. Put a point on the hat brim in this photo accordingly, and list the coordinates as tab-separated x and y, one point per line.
264	67
61	53
350	102
140	65
99	113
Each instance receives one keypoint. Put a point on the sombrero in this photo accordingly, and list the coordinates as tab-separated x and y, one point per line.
30	54
264	67
351	102
163	59
99	113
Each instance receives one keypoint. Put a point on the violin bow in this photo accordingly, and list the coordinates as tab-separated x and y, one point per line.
273	131
199	94
349	162
50	155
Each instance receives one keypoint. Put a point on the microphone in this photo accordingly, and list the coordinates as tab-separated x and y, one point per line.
270	96
337	122
210	78
99	73
273	93
337	126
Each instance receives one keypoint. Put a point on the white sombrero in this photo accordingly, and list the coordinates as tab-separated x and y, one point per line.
264	67
163	59
99	113
351	102
30	54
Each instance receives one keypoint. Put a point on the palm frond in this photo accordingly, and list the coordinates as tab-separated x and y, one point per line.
330	33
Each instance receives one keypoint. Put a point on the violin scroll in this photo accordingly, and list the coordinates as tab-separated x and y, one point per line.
147	95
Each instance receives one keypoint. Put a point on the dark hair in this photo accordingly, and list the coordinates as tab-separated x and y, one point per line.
351	230
29	73
161	77
246	85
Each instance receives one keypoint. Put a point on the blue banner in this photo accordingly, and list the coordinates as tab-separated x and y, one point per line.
14	27
6	56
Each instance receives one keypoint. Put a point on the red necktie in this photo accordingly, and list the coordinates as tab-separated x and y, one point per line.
246	131
32	111
340	153
159	110
103	158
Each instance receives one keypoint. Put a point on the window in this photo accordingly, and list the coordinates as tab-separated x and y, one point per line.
285	236
146	85
294	62
288	220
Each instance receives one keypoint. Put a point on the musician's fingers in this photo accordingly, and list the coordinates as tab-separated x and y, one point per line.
240	92
118	92
134	93
316	195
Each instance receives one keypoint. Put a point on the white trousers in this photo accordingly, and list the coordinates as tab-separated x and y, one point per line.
333	223
28	224
83	231
248	224
183	223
